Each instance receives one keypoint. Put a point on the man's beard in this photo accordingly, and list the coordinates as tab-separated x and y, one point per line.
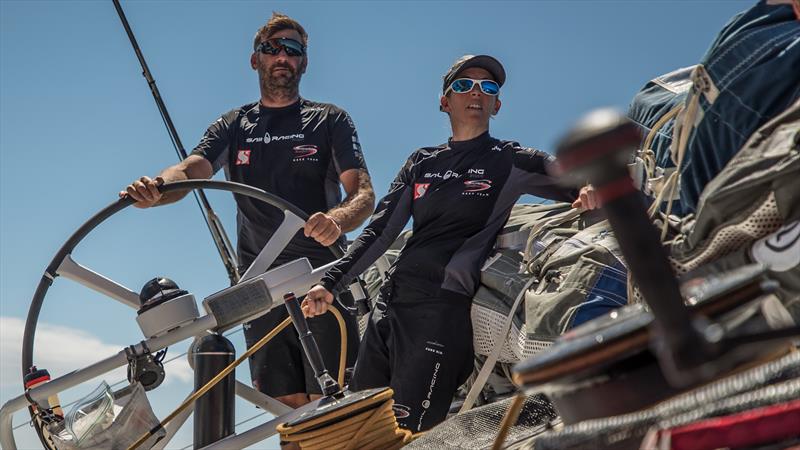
282	85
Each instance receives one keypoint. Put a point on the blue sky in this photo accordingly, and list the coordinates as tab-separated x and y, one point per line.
77	123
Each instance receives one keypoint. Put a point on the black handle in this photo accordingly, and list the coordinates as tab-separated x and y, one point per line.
306	338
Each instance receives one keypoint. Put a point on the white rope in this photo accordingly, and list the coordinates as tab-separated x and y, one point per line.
488	366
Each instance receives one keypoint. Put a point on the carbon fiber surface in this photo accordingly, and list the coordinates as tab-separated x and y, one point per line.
477	428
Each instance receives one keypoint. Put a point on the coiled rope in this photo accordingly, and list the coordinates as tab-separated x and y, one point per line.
375	428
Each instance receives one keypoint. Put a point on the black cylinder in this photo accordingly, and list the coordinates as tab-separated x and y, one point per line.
214	412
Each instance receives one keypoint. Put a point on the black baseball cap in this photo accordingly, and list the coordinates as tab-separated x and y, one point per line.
487	62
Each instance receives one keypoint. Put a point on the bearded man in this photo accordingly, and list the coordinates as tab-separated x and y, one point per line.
301	151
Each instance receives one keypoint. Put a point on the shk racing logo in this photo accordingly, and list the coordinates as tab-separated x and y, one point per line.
304	153
401	411
477	187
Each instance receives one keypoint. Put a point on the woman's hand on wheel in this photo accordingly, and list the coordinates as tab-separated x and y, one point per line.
316	302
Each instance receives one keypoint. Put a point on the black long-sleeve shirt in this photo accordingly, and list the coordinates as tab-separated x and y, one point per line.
460	194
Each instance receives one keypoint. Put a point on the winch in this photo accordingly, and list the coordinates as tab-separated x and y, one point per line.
642	354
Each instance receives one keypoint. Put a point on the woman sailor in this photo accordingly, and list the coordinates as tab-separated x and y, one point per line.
460	194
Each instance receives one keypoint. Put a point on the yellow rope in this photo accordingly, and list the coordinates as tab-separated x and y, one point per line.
227	370
342	344
375	428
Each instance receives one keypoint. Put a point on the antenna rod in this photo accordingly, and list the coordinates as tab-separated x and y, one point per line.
218	234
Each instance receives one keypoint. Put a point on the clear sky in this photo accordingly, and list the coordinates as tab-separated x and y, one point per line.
77	123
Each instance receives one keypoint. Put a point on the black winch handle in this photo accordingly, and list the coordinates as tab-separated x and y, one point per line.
326	382
597	151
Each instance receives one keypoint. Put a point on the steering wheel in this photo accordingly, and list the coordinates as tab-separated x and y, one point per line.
62	264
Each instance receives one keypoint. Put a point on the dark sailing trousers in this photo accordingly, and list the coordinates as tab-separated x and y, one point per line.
422	349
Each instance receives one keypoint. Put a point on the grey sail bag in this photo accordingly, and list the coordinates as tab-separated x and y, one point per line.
750	212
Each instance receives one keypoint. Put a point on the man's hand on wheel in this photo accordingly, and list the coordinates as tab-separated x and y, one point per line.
144	191
322	228
316	302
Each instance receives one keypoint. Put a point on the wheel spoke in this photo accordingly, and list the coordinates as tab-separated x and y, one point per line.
261	400
285	232
71	270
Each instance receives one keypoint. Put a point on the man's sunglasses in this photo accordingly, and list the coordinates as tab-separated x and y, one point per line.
274	46
464	85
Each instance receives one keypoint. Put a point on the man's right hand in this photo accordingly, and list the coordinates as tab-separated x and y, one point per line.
144	191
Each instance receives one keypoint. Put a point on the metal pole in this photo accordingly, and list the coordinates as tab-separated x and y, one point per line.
218	234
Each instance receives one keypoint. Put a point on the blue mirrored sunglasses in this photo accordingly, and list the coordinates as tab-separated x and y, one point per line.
274	46
464	85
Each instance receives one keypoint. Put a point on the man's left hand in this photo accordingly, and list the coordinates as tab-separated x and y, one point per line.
322	228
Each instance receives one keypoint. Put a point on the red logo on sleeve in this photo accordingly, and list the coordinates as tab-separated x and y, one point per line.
243	158
420	189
